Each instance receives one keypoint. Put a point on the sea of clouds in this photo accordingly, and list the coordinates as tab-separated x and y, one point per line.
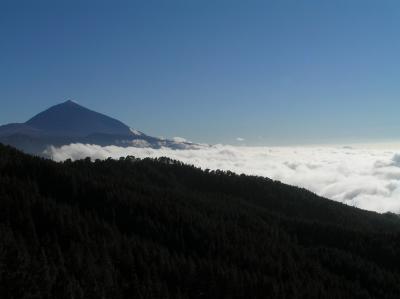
365	177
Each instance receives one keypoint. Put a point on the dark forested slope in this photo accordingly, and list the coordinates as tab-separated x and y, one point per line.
160	229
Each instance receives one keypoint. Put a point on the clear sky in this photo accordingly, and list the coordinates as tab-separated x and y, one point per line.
271	72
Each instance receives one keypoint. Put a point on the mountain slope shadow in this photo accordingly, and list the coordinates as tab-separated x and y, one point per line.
149	228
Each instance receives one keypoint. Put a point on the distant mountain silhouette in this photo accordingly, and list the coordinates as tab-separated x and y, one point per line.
71	119
70	122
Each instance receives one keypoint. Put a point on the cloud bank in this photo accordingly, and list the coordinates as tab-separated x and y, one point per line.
368	178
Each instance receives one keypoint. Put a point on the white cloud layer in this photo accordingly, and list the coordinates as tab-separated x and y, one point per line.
368	178
179	139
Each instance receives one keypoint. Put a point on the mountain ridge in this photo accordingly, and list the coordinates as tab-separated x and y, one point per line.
69	122
157	228
70	118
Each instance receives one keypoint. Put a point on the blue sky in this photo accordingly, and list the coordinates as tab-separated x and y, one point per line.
271	72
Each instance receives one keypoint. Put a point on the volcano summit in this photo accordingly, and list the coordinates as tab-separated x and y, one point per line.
70	122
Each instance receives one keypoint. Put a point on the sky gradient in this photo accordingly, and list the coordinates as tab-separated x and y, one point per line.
270	72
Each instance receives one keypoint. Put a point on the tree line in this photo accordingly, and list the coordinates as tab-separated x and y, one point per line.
157	228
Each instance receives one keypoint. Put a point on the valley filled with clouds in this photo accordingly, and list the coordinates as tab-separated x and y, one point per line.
367	177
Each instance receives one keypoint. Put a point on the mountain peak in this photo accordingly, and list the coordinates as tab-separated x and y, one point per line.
69	122
70	102
71	119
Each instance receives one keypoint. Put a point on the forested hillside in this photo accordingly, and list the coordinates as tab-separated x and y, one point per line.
160	229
